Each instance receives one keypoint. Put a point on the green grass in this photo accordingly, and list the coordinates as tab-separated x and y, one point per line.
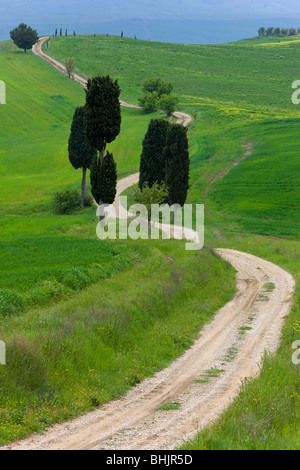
44	261
35	127
266	413
173	405
250	101
67	359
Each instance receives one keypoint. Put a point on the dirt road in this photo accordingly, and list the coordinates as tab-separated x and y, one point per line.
227	350
182	118
202	382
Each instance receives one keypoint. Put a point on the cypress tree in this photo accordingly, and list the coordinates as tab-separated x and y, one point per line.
108	177
104	179
177	159
81	153
102	119
95	178
153	164
102	123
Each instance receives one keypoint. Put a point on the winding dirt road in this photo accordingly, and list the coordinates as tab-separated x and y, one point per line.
182	118
203	382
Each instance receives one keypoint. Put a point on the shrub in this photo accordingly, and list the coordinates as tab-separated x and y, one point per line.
68	200
157	194
149	102
11	302
49	289
76	279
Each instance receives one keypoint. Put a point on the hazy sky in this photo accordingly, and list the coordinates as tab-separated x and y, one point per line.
45	11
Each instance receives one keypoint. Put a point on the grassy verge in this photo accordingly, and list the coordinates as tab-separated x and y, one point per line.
79	354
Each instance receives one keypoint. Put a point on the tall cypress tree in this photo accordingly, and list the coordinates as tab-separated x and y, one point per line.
102	119
177	159
102	122
108	184
81	153
153	164
104	179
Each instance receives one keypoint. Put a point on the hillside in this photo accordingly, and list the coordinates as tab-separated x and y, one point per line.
244	166
70	304
248	101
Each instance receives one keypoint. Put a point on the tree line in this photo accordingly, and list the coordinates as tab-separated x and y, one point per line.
271	31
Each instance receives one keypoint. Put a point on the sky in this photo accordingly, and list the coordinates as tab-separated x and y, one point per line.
44	14
46	11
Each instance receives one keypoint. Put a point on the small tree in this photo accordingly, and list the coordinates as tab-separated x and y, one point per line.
277	31
168	103
149	102
56	32
157	95
177	159
24	36
60	32
152	164
81	153
157	84
69	64
157	194
270	31
284	31
262	31
66	32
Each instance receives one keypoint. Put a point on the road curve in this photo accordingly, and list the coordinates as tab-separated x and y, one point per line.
203	381
250	324
182	118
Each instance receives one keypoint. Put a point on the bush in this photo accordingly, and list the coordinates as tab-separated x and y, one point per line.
158	95
149	102
157	194
11	302
68	200
48	290
76	279
168	103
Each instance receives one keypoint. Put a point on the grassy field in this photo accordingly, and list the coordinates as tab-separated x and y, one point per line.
250	101
81	353
74	315
35	127
245	106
